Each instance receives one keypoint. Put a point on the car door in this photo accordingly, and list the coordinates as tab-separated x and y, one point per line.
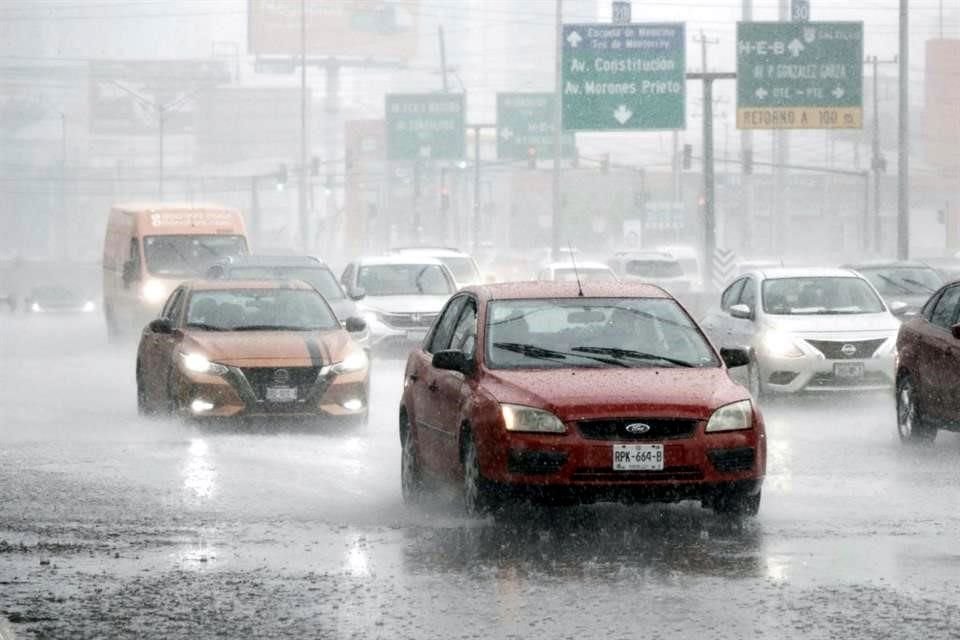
743	330
451	391
717	324
939	362
155	360
427	411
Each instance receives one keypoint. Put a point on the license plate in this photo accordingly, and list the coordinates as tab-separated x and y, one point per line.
416	335
281	394
848	370
638	457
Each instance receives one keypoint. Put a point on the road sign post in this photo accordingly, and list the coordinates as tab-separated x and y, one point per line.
799	75
627	77
425	126
525	123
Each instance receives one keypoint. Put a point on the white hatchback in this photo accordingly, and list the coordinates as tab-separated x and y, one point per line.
808	330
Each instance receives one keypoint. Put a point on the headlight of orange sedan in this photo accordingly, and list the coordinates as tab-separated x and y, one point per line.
198	363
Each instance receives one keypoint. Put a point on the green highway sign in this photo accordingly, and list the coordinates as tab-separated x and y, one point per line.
799	75
525	122
425	126
624	77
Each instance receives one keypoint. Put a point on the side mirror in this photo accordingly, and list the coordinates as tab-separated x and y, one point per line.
355	325
453	361
955	331
357	294
161	325
898	308
130	274
741	311
735	357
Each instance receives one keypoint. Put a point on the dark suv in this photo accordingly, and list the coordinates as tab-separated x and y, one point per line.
928	370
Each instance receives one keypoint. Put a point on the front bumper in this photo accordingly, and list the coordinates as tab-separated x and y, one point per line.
238	393
817	373
695	467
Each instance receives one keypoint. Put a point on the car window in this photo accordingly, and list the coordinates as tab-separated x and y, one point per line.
654	268
346	278
404	280
444	327
278	309
320	278
463	269
465	334
945	312
189	255
748	295
171	308
894	281
820	295
730	296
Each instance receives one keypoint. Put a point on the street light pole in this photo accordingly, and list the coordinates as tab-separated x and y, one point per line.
302	207
161	120
903	159
557	231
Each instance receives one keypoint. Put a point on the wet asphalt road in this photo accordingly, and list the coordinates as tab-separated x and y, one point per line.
113	526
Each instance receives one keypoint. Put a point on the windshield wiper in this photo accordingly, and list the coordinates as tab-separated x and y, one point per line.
270	327
917	283
205	326
533	351
896	284
614	352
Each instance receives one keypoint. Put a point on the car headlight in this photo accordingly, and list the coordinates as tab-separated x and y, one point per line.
35	307
520	418
888	348
732	417
356	360
198	363
89	307
153	292
370	317
781	345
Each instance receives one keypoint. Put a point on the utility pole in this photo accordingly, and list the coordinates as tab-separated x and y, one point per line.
877	163
781	142
746	160
557	231
903	160
302	207
443	59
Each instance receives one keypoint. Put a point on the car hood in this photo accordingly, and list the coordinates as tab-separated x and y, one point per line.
835	324
583	394
269	348
405	304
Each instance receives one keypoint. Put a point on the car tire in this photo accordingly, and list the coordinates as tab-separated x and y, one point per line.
912	426
736	502
411	475
478	492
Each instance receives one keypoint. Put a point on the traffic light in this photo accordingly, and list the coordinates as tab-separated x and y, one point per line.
605	163
687	156
282	178
747	162
531	157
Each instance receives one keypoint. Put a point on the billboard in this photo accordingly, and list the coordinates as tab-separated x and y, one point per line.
941	128
375	29
244	123
125	96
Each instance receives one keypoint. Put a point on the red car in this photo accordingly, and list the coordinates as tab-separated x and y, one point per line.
928	368
560	394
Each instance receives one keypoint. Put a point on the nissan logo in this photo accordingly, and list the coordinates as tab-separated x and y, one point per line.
848	349
281	376
637	428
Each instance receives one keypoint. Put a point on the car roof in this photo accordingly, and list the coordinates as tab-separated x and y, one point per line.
569	289
579	265
398	259
272	261
806	272
646	255
228	285
887	264
446	252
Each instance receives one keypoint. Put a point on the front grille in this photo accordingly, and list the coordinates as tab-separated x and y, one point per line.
409	320
303	378
659	429
729	460
833	349
589	474
869	379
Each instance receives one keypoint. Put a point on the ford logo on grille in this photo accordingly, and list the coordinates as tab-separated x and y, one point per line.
637	428
848	349
281	376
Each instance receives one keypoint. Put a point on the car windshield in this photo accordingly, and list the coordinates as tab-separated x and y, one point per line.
320	278
593	332
654	268
463	269
189	255
819	295
404	280
596	275
894	281
259	309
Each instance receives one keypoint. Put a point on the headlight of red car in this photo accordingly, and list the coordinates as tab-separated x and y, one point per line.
519	418
732	417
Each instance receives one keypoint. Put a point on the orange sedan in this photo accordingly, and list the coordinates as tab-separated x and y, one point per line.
251	348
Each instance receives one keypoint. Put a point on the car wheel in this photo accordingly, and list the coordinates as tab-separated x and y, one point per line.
912	426
736	503
411	479
478	498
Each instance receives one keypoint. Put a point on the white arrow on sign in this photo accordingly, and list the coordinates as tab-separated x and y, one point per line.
622	114
838	92
506	133
761	93
795	47
574	39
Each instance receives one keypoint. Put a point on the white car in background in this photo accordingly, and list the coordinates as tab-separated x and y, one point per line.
398	296
462	265
808	330
570	271
652	267
689	259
